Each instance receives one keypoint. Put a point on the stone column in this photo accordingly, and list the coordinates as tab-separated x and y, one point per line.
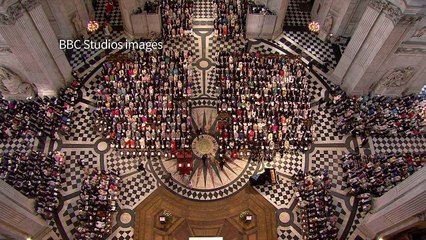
373	30
31	39
364	27
62	18
51	41
280	8
337	17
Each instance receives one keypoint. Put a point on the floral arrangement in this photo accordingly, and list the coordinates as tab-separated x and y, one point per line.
168	215
244	214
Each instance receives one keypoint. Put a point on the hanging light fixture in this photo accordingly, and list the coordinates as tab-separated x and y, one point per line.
314	26
92	26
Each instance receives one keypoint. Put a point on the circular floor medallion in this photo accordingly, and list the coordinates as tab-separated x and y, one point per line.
204	144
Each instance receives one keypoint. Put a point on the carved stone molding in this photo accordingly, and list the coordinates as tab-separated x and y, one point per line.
409	19
16	10
30	4
391	11
398	77
407	50
5	49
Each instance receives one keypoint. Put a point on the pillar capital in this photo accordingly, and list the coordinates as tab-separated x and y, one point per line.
16	10
390	10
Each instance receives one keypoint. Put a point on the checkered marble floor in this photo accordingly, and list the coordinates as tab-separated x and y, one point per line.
279	194
316	88
135	189
289	164
328	159
342	213
399	144
91	85
122	164
197	84
115	16
295	16
189	43
69	216
221	44
73	169
325	125
288	233
356	222
123	234
264	49
311	43
11	145
82	126
203	9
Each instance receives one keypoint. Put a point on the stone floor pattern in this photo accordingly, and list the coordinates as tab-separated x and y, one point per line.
84	144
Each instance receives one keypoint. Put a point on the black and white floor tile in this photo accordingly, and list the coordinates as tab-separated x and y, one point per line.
279	194
288	233
188	43
315	46
296	15
316	88
121	163
123	234
74	162
325	125
18	144
227	45
396	144
100	16
82	126
328	159
203	9
136	188
289	163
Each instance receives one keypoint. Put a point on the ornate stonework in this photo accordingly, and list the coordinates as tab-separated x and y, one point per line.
409	19
398	77
407	50
16	10
5	49
419	32
11	84
391	11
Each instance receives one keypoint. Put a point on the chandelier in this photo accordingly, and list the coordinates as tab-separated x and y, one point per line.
314	26
92	26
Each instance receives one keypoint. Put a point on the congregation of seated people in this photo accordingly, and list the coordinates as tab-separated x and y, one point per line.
380	115
35	175
176	17
230	18
265	103
96	204
317	215
143	104
38	116
373	175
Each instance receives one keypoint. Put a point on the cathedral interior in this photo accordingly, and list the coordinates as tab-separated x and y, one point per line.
213	119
